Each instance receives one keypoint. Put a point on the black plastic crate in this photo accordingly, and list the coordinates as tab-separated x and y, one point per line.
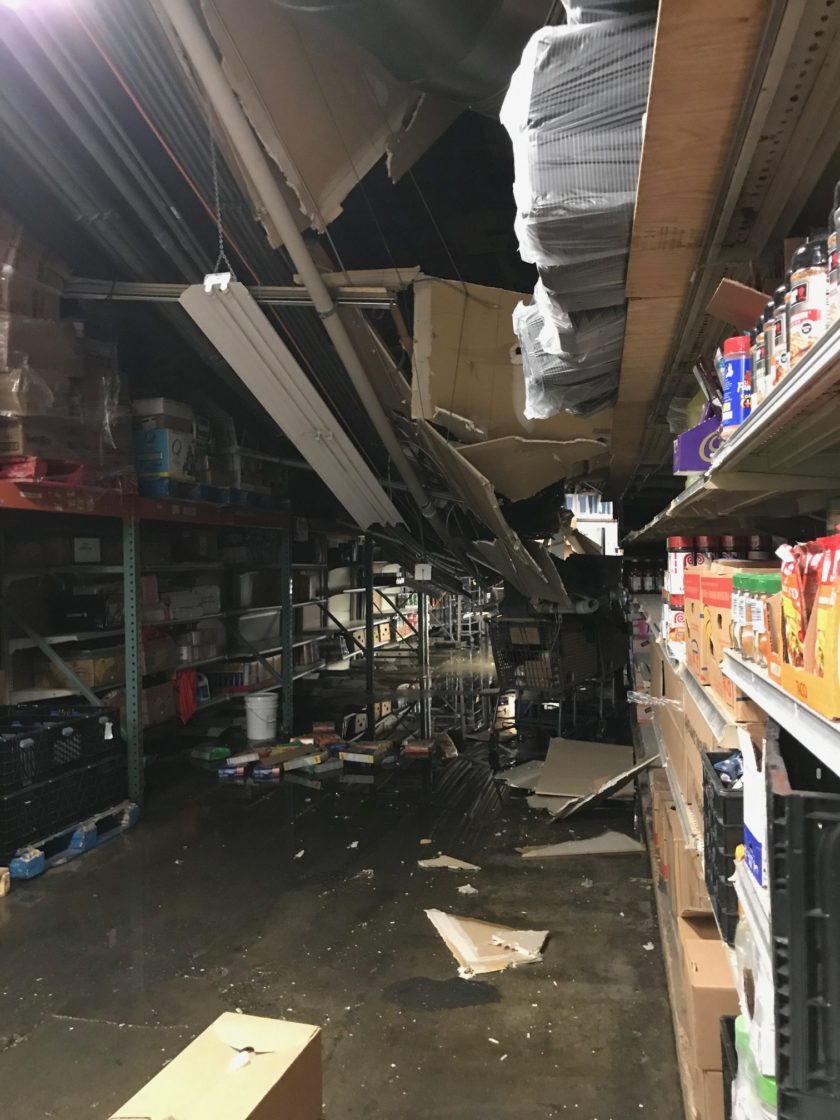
723	831
729	1061
36	812
804	858
37	744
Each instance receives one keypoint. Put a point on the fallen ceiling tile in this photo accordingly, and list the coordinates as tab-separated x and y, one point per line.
609	789
465	363
549	802
608	843
519	467
481	947
574	768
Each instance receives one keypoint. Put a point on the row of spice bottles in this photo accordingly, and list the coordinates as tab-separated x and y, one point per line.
750	630
793	321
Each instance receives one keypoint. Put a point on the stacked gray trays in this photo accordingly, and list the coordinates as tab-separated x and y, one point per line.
574	113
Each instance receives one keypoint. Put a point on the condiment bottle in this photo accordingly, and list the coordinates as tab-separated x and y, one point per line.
747	631
737	612
758	358
808	298
768	321
736	383
833	292
781	357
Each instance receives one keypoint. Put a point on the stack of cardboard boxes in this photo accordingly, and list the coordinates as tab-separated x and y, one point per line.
701	979
61	413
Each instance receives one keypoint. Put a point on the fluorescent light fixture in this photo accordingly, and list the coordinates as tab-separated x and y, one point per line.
231	319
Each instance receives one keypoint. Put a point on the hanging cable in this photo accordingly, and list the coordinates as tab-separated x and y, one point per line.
217	199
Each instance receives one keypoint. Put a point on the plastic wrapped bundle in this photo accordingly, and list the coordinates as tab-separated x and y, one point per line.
588	284
582	332
578	383
593	11
574	113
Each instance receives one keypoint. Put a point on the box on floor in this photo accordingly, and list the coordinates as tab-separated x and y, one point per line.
241	1068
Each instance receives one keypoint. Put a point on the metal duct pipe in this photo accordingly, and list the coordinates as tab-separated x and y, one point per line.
207	67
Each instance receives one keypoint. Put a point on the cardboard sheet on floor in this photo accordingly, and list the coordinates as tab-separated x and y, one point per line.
520	467
481	947
607	844
243	1067
448	862
577	769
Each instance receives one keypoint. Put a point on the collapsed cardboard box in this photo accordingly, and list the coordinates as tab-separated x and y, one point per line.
242	1067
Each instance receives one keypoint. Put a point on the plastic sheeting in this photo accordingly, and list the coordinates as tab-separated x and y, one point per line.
592	11
579	383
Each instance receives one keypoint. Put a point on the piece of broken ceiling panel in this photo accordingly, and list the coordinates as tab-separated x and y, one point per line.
324	110
519	468
481	947
465	362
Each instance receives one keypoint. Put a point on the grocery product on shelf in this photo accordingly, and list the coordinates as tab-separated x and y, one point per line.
758	362
807	306
737	383
779	358
833	287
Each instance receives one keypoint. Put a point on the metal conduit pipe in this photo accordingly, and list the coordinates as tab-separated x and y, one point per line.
209	71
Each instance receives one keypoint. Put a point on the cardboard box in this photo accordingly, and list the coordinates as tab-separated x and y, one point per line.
710	993
241	1068
696	648
670	725
705	732
87	550
160	412
657	670
693	449
689	896
164	452
755	819
158	704
48	437
737	304
708	1093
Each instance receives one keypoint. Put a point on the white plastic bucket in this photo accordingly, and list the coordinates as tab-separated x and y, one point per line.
261	715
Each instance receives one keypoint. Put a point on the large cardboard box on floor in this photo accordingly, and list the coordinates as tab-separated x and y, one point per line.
241	1068
689	896
708	1094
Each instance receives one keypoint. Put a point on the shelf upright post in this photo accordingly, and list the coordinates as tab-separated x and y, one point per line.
133	675
423	648
287	631
369	650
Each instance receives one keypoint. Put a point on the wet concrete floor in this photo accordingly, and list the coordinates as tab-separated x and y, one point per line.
111	964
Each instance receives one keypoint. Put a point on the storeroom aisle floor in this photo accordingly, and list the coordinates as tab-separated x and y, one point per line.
112	963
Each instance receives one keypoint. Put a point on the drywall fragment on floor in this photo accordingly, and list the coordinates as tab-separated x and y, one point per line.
449	862
608	843
524	776
467	888
481	947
